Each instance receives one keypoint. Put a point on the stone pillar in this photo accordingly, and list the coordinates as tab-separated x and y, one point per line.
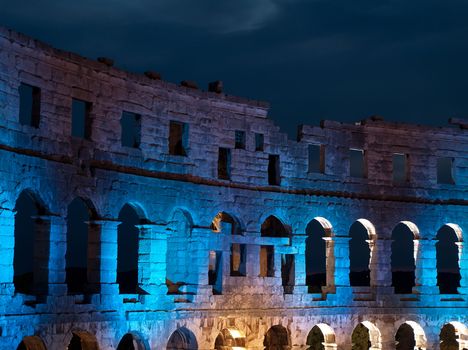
253	260
463	263
343	289
381	269
41	254
102	256
152	264
299	242
426	268
201	244
58	248
7	248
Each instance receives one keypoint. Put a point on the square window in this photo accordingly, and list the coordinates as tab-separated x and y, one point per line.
267	261
240	139
400	168
316	159
130	124
357	164
30	105
224	163
445	170
81	120
178	138
259	142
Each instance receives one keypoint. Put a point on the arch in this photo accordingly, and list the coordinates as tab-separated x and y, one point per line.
448	248
230	338
321	337
361	233
80	214
319	255
128	235
32	244
31	343
82	340
274	227
182	339
132	341
277	338
453	336
366	336
409	336
402	259
233	223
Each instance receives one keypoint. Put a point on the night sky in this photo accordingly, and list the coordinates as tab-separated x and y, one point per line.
318	59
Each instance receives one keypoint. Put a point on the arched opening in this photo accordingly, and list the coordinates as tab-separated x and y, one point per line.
31	343
83	341
403	259
321	337
132	341
273	227
276	338
182	339
31	251
229	339
359	254
224	222
318	255
365	336
79	228
410	336
127	248
181	275
447	255
454	336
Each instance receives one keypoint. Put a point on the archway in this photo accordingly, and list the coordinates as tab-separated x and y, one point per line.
182	339
132	341
321	337
447	254
318	255
227	223
273	227
83	341
360	253
31	343
229	339
277	338
454	336
127	248
31	251
410	336
403	259
366	336
79	228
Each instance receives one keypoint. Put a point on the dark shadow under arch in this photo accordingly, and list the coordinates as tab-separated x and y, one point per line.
83	341
448	269
277	338
31	343
182	339
132	341
402	259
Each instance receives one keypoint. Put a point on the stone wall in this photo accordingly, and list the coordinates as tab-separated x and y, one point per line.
179	197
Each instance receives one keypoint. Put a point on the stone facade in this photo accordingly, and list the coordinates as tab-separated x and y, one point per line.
188	205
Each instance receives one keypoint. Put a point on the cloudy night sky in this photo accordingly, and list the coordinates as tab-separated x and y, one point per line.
318	59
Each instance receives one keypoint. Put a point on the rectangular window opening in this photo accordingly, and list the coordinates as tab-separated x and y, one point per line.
130	124
445	171
259	142
357	163
316	159
274	177
30	105
240	139
287	272
224	163
238	259
81	120
267	261
215	273
178	138
400	168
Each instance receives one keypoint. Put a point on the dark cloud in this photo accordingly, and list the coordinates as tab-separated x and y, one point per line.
333	59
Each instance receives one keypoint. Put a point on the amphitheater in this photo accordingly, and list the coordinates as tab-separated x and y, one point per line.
141	214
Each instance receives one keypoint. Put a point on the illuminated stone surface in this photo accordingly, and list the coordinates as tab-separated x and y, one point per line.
178	200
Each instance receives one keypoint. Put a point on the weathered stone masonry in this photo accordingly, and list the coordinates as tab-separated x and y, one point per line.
190	219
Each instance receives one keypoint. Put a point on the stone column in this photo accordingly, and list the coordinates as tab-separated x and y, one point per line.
152	264
381	270
426	268
102	256
299	242
58	248
7	248
463	263
201	244
41	254
343	289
